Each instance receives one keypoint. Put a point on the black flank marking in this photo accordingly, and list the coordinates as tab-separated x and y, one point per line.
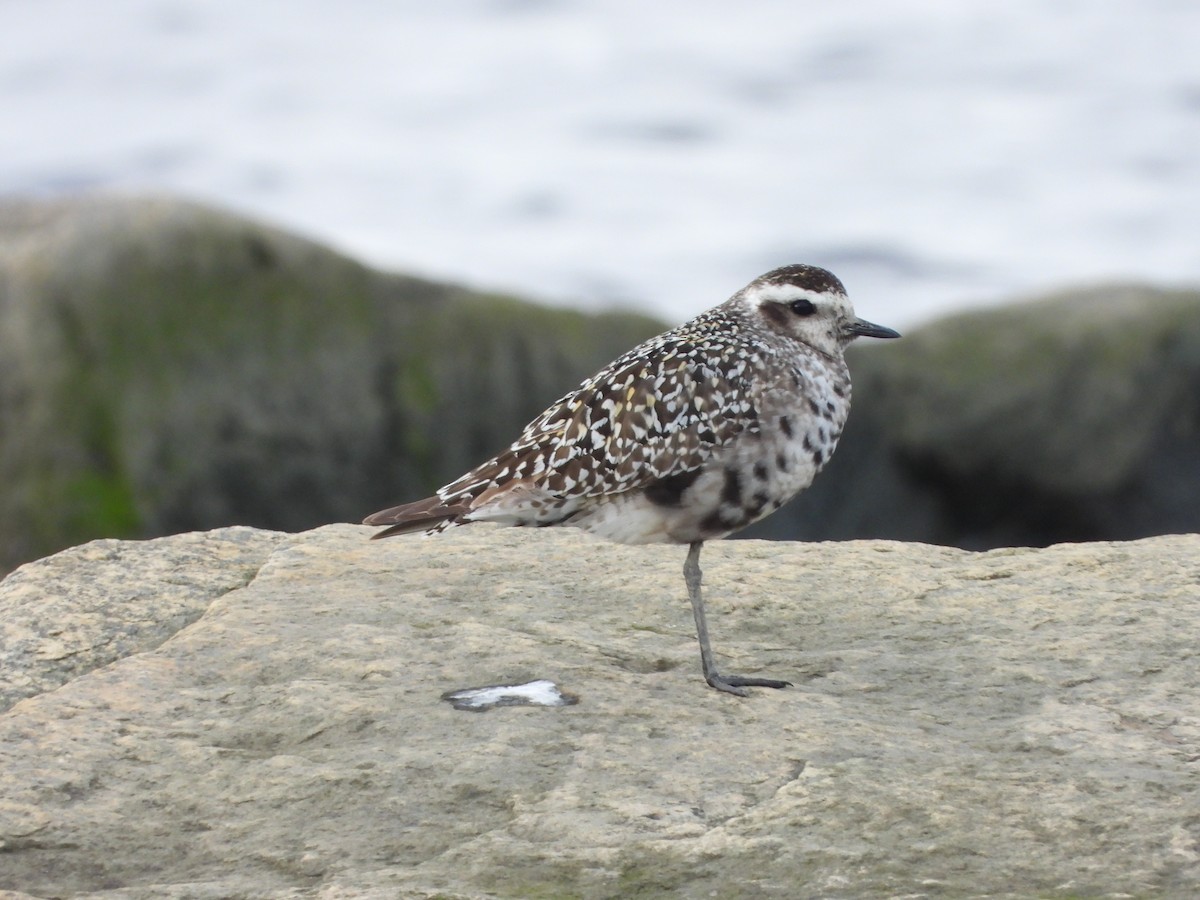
818	457
669	491
718	523
732	492
808	447
760	471
758	502
812	405
781	462
839	390
785	425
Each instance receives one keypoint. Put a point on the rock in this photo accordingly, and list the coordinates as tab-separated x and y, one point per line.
168	367
50	634
1013	723
1071	418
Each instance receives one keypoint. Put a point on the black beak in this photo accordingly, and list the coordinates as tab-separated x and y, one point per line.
862	328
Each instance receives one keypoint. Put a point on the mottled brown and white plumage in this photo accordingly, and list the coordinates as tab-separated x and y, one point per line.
688	437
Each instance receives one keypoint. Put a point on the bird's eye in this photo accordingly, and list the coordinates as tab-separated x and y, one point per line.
802	307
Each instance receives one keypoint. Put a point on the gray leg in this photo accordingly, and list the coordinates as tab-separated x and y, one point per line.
733	684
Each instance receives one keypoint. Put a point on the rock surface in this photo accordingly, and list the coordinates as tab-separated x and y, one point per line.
1013	723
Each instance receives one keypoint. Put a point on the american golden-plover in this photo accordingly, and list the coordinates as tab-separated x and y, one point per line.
688	437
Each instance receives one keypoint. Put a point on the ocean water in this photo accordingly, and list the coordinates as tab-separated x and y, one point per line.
936	154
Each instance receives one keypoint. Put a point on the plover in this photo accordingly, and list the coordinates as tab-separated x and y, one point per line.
686	438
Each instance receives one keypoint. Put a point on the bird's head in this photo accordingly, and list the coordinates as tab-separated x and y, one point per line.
807	304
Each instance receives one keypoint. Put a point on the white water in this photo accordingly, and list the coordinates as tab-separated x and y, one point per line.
934	153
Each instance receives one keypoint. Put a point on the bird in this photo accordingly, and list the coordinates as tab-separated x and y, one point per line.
688	437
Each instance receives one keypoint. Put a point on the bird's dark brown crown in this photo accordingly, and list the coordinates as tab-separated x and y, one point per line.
812	278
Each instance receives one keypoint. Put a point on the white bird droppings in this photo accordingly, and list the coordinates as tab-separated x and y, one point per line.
533	693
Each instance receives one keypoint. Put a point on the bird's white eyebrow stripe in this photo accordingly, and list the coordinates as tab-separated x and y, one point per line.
781	293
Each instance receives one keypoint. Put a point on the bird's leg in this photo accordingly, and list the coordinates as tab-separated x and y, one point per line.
732	684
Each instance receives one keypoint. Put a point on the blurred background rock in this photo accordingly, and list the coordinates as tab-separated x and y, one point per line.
167	367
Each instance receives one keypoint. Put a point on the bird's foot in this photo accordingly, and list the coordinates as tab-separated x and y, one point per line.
734	684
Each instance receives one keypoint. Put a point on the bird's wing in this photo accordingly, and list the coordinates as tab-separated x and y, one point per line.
660	410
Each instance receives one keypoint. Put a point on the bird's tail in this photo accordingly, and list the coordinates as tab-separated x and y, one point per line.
430	514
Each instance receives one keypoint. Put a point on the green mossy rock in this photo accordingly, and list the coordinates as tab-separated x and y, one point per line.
1074	417
166	367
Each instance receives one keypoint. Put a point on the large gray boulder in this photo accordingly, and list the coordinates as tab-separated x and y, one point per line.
1014	723
165	367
